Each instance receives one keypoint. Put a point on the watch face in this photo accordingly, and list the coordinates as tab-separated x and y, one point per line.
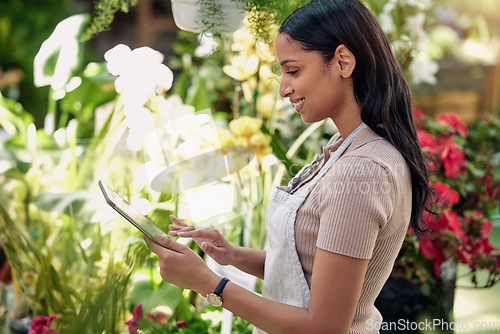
214	300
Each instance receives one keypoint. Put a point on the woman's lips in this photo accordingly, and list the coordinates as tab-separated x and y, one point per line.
298	104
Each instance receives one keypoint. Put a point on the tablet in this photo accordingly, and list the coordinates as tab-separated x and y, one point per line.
124	208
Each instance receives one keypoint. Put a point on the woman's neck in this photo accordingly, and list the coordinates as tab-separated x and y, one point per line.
348	121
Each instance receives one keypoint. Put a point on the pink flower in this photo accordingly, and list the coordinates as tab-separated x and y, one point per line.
456	125
40	325
136	316
181	324
453	159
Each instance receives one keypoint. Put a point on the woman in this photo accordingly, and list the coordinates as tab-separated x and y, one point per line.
336	229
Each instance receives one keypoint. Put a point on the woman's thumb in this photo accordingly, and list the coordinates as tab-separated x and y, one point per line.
205	247
209	249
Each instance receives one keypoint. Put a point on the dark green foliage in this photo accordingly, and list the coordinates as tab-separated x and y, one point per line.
104	14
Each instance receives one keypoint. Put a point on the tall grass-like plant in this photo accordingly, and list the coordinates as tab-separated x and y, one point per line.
67	256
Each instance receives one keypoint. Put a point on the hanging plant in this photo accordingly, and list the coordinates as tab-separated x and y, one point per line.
104	14
212	16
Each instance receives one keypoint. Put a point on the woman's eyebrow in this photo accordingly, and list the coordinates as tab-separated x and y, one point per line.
284	62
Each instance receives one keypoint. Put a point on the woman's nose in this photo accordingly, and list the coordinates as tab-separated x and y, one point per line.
285	89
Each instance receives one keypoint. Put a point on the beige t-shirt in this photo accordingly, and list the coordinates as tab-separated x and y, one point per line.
361	208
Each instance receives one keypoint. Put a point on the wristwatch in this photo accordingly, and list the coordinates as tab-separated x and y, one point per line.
215	298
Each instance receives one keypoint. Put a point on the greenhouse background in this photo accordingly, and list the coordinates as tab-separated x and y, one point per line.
190	123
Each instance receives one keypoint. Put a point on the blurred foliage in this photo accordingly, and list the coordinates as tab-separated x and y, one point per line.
24	25
485	13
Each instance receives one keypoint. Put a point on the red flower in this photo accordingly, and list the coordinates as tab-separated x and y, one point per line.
158	317
480	248
456	125
40	325
479	224
418	113
427	247
449	221
427	141
136	316
431	251
447	196
453	159
486	180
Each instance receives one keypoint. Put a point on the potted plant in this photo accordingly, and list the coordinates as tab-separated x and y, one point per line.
464	170
208	15
214	16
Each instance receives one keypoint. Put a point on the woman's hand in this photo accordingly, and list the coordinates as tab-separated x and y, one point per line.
209	239
181	266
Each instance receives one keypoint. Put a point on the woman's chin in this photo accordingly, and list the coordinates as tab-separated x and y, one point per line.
309	120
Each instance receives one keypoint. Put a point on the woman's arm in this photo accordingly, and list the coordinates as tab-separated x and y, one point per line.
217	247
249	260
335	289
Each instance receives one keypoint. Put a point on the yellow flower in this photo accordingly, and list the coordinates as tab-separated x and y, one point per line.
265	52
265	105
248	87
245	126
243	40
242	141
226	138
242	66
268	80
260	143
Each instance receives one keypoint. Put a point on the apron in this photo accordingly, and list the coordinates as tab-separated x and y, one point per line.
284	279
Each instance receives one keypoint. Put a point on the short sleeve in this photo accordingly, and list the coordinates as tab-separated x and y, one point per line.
357	201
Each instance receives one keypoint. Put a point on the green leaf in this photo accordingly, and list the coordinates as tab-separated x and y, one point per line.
426	289
68	203
166	295
181	85
81	103
13	118
198	95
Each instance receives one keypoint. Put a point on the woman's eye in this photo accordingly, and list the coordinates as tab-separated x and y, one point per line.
291	72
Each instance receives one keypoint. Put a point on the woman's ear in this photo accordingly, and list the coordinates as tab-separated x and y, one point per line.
345	60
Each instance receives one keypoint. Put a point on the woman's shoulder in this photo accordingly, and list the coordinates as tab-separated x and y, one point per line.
371	148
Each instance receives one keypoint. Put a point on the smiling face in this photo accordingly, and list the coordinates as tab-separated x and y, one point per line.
318	90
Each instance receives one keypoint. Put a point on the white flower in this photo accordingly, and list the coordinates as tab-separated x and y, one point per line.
172	108
140	122
62	47
207	45
423	69
117	58
387	22
140	72
420	4
415	24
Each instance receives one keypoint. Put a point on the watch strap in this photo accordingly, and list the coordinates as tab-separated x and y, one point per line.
220	286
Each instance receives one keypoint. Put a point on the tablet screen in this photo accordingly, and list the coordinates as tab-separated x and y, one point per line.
130	213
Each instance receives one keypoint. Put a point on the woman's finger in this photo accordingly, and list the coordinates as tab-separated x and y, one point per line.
179	229
166	244
194	233
177	222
